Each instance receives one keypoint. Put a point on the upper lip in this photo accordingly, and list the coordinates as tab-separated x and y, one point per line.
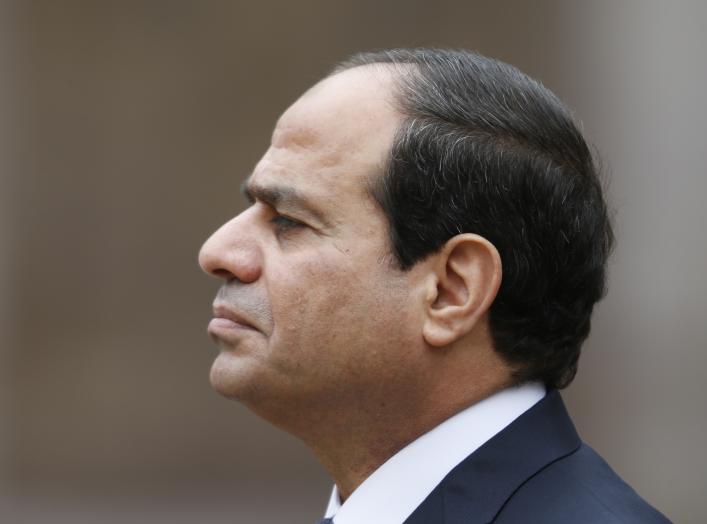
222	311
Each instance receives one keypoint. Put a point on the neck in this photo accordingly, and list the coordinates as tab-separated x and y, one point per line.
353	449
354	430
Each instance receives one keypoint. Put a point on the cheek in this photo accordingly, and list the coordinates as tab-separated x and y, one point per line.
338	316
313	303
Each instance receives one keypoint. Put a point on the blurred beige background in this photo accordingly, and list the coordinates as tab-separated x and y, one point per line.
126	128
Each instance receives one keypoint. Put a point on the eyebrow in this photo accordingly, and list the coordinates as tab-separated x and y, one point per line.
282	197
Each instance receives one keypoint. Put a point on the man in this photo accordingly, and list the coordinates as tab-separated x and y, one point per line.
410	287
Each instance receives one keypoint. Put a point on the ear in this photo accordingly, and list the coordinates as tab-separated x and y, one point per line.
467	274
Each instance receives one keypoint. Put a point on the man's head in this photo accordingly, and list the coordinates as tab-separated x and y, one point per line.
422	221
488	150
308	265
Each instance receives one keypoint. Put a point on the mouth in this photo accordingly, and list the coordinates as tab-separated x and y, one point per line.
227	322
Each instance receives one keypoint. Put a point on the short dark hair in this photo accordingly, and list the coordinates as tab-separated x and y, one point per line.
486	149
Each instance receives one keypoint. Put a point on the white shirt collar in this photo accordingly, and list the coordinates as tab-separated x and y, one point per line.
393	491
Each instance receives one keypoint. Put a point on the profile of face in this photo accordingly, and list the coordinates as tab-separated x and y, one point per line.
313	313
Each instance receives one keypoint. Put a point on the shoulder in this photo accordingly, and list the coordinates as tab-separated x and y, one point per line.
579	488
535	471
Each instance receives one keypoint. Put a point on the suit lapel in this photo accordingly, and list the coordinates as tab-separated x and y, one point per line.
476	490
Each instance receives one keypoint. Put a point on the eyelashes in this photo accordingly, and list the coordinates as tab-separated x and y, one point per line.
282	224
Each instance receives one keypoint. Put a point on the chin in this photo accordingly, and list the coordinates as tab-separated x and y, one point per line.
226	378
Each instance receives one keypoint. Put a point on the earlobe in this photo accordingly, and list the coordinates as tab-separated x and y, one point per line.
468	275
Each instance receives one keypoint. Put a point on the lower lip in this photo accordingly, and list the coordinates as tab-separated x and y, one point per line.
219	325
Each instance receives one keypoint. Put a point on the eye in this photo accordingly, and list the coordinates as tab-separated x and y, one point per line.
283	224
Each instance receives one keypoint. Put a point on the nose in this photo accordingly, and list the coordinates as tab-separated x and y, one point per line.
231	252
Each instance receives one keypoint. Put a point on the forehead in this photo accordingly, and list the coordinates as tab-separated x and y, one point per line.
334	137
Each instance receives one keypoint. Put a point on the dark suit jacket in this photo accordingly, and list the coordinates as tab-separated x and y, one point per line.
535	471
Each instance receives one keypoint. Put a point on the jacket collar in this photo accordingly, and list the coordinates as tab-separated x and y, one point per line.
476	490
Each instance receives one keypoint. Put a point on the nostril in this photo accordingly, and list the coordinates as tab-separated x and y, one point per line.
222	273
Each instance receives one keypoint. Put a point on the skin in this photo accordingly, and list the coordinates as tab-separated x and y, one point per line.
334	343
